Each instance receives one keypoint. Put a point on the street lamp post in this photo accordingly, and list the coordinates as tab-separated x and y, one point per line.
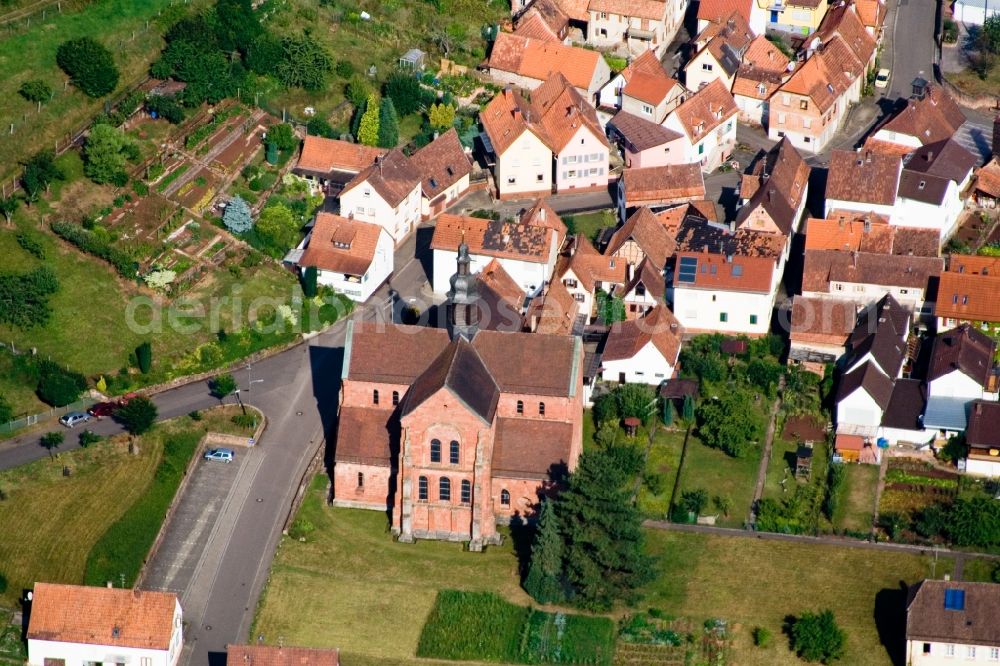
240	400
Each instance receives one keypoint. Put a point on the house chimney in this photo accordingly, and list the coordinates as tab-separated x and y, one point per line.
930	155
996	137
541	213
854	259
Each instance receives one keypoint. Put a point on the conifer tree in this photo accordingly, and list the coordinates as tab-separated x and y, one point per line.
388	126
368	129
668	412
602	534
544	578
688	408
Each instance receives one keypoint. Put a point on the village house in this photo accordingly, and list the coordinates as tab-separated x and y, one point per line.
552	143
719	51
352	257
962	369
763	70
819	330
330	164
526	63
75	624
986	191
659	187
950	621
982	436
773	193
643	350
526	247
796	17
585	271
643	237
717	11
543	20
707	119
453	431
386	193
445	169
811	104
967	293
643	89
636	25
930	116
555	312
280	655
501	300
646	289
643	143
865	181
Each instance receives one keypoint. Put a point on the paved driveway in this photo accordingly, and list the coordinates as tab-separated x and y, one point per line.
196	521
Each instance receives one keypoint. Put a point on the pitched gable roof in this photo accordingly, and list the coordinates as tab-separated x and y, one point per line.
648	233
869	378
102	616
564	111
982	432
727	272
414	348
935	117
727	41
555	312
441	163
928	618
641	134
881	338
279	655
660	327
543	19
821	267
537	59
590	266
531	363
968	289
393	177
946	159
502	299
653	10
866	177
965	349
784	180
715	11
341	245
705	110
371	436
530	448
650	277
324	155
510	239
461	370
763	70
664	183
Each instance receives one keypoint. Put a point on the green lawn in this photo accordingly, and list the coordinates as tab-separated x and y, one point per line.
349	584
590	224
720	474
780	467
30	54
752	582
49	522
854	512
663	461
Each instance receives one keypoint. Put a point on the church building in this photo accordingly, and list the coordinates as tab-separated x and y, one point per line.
454	430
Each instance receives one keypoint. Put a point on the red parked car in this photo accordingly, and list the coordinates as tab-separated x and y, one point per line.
102	409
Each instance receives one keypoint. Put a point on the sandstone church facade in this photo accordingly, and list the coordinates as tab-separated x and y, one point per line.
452	430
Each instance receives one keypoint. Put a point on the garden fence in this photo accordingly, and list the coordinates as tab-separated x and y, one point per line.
41	417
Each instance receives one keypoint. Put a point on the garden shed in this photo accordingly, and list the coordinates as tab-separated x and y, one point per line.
413	59
803	460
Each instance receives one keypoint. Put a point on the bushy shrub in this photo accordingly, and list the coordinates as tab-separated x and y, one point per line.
88	437
245	420
92	243
60	387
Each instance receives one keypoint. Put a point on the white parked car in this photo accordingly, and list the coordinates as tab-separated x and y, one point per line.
882	78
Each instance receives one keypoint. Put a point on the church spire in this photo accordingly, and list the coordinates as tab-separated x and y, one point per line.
463	297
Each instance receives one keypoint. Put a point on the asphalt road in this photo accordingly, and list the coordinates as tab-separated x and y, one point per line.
910	53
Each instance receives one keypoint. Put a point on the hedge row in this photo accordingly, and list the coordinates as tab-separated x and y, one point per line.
91	243
121	550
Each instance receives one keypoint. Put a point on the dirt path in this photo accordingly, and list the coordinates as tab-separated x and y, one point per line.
765	458
882	468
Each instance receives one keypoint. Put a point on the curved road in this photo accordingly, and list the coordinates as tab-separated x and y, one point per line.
299	390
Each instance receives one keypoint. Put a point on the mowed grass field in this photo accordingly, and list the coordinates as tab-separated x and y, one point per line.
351	586
31	54
720	474
754	582
857	503
49	522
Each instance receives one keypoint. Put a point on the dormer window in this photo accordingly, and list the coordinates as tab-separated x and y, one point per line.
341	245
433	183
922	185
761	89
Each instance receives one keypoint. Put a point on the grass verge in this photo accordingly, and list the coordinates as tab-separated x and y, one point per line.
119	554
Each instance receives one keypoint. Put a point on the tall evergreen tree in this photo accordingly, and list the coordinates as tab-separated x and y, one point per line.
544	578
388	125
687	411
668	412
368	129
604	559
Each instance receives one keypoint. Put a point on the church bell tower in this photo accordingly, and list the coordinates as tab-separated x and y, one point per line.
463	298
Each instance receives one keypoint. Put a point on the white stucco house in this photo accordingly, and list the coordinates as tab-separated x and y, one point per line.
352	257
643	88
445	169
951	622
74	625
639	25
583	271
708	121
526	248
962	369
973	12
388	193
644	350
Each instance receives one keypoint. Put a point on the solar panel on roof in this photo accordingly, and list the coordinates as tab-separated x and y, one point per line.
954	599
687	270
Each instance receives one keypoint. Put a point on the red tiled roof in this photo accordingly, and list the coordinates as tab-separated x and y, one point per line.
341	245
495	238
441	163
936	117
273	655
529	448
663	184
654	10
822	320
705	110
393	177
866	177
564	112
324	155
988	179
648	233
102	616
715	271
536	59
717	10
969	296
821	267
555	312
368	442
590	266
660	327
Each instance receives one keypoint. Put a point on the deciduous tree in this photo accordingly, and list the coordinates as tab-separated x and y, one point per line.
635	400
9	206
89	65
222	385
730	423
51	440
305	63
106	154
6	410
277	227
35	90
40	171
816	637
138	415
